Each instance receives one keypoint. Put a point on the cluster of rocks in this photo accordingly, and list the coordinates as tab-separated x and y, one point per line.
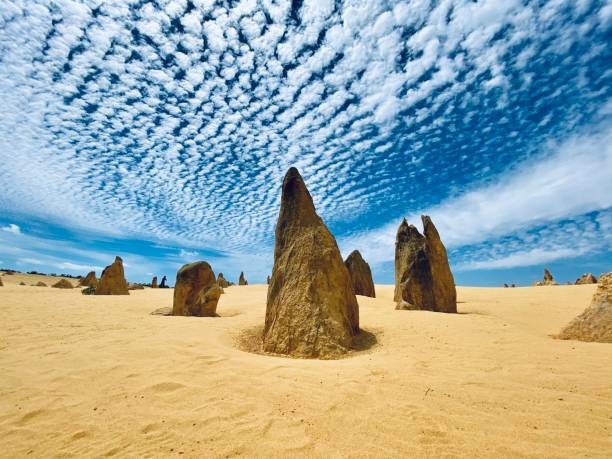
595	323
423	279
511	286
242	280
586	278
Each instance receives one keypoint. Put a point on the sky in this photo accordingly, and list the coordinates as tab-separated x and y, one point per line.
160	131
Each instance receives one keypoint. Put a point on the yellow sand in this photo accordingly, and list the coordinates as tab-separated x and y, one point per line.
86	376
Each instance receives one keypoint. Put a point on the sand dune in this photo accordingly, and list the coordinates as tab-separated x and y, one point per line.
98	376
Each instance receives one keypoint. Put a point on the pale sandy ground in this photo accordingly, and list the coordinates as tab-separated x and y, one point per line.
85	376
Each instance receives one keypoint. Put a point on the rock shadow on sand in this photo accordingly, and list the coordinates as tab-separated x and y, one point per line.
251	340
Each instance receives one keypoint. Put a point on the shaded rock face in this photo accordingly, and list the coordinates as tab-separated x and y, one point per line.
586	278
163	283
40	284
91	290
311	309
548	279
195	292
222	281
63	283
423	279
595	323
112	281
242	280
361	275
154	282
1	283
89	281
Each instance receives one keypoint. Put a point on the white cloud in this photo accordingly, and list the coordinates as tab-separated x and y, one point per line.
12	228
78	267
564	181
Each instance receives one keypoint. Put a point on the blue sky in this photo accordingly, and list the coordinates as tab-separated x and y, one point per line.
160	131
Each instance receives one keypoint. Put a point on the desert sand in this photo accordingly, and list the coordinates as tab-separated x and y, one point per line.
96	376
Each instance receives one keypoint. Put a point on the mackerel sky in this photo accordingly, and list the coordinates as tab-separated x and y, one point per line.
161	130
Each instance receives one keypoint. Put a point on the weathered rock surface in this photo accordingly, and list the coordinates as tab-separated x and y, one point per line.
112	281
242	280
423	279
311	309
165	311
223	282
154	282
63	283
361	275
196	292
586	278
595	323
89	281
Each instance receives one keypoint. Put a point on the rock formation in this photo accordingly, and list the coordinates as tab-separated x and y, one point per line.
223	282
586	278
163	283
154	282
89	281
513	286
242	280
548	279
423	279
40	284
63	283
595	323
195	292
268	280
91	290
112	281
1	283
135	287
505	285
311	309
361	275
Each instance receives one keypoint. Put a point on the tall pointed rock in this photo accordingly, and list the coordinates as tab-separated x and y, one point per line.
311	309
444	290
361	275
112	281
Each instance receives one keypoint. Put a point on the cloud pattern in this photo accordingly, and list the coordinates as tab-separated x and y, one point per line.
176	120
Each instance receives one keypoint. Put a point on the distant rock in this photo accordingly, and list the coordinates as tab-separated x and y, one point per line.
513	286
505	285
165	311
311	309
135	287
595	323
89	281
1	283
91	290
63	283
548	279
196	292
223	282
163	283
112	281
242	280
268	280
423	279
361	275
154	282
586	278
40	284
22	283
